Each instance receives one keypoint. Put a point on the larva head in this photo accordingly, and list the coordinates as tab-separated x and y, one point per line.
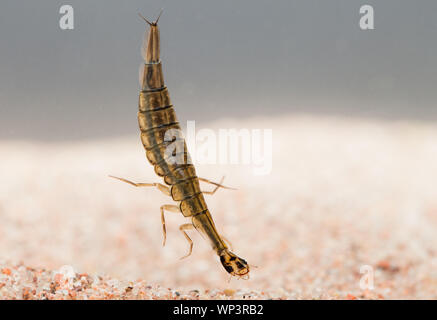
233	264
151	47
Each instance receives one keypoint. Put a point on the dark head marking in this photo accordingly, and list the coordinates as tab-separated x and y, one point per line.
233	264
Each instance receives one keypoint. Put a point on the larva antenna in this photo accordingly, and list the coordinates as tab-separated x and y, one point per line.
145	19
152	23
159	16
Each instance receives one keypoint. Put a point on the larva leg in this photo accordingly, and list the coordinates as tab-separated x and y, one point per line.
184	227
163	188
227	242
168	207
219	185
211	192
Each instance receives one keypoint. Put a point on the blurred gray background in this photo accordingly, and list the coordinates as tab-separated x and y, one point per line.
222	59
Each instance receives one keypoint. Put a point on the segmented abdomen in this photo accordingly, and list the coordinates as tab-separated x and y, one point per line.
165	145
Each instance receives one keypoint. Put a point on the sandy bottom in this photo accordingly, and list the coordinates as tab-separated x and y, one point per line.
349	211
